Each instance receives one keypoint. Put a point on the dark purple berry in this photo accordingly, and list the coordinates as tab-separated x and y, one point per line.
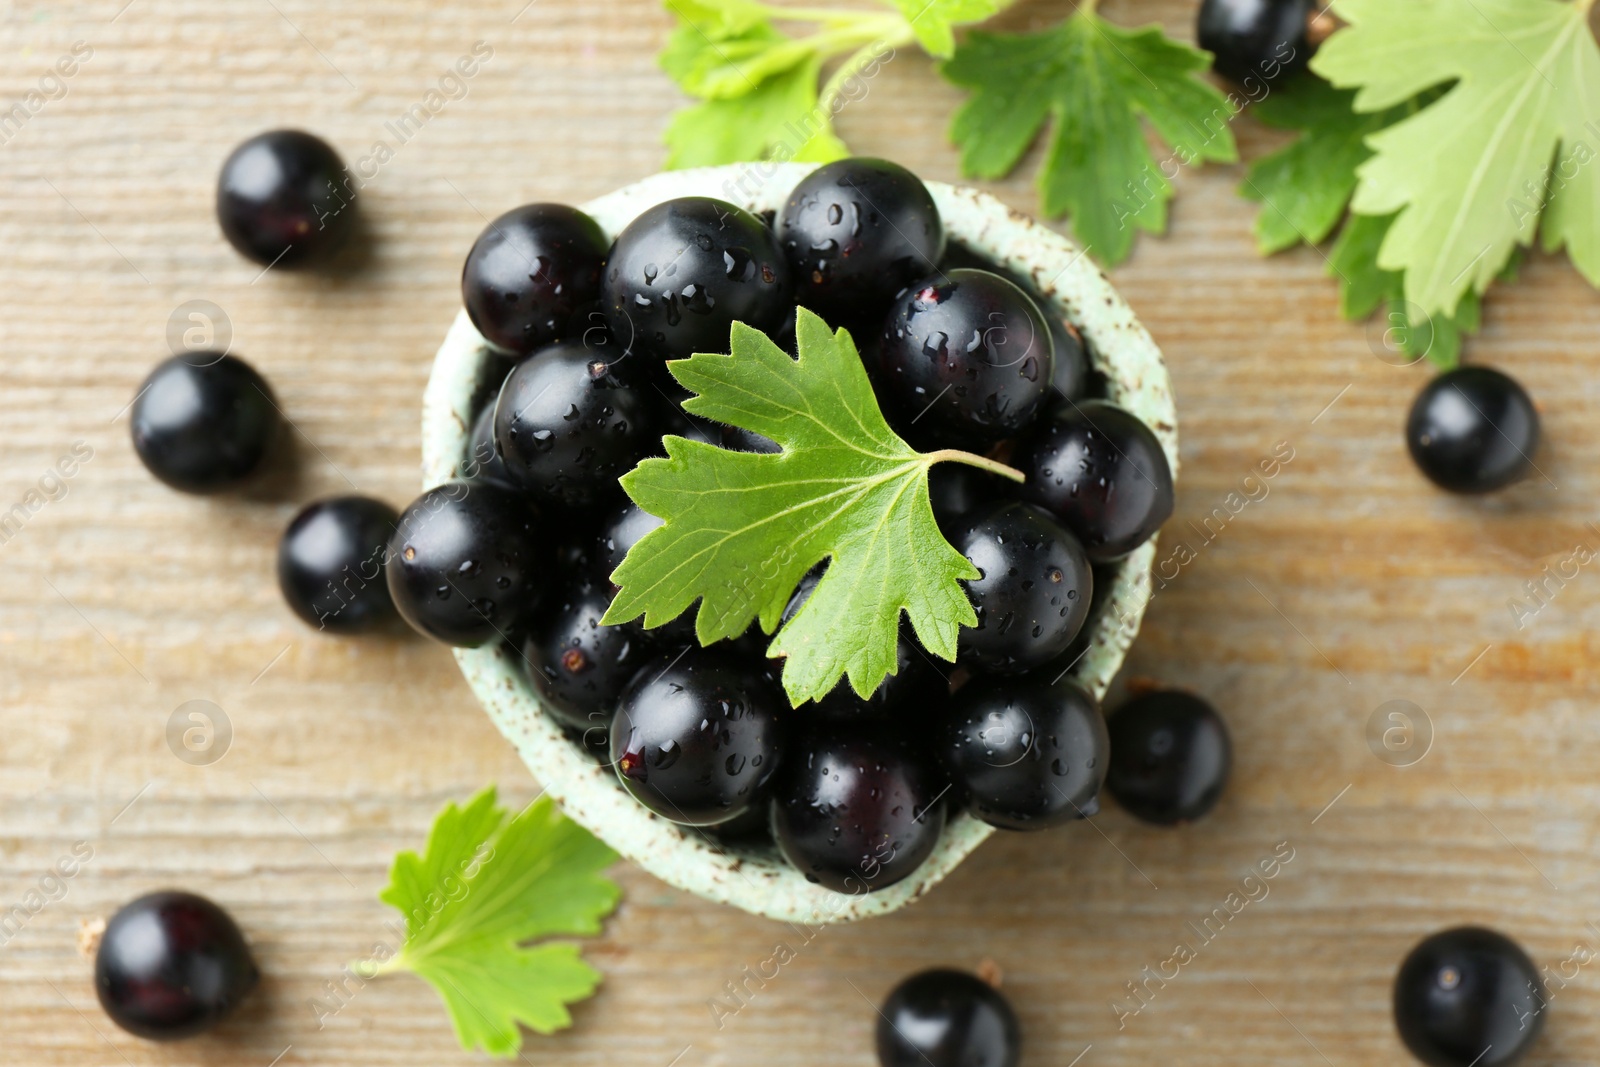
578	664
331	564
944	1018
172	965
285	199
1170	757
531	273
1101	472
1468	997
1473	430
204	422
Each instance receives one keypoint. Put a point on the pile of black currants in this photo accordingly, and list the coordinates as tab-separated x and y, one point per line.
854	791
518	551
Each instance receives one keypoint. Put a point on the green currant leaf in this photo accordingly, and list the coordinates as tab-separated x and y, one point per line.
488	883
742	528
1468	177
1099	83
720	59
779	119
934	21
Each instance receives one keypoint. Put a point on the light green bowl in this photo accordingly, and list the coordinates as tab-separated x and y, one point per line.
759	881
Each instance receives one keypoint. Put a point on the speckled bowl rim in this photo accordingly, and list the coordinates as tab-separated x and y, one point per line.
760	882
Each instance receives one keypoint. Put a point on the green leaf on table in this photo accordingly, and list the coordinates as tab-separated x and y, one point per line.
742	528
1305	186
934	21
779	119
724	53
1098	83
1365	287
1470	174
488	883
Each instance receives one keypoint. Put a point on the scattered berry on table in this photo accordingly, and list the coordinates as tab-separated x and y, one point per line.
948	1018
331	564
1170	757
1256	42
172	965
285	199
204	422
1473	430
1468	997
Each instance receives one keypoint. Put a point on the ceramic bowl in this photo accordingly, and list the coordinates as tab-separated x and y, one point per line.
758	880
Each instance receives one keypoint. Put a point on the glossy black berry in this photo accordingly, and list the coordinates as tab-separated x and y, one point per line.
172	965
857	811
204	422
482	462
331	564
684	271
285	199
946	1018
1033	596
957	491
1466	997
698	736
1256	41
1473	430
468	562
965	360
1101	472
531	272
1072	361
578	665
856	232
623	528
1170	757
1028	754
567	428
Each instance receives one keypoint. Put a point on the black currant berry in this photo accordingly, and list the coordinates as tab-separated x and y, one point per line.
1028	754
1170	757
697	736
204	422
683	272
578	665
567	428
621	530
531	272
966	359
1466	997
957	491
1101	472
856	232
1072	361
468	562
1473	430
285	199
857	811
945	1018
1034	593
1256	41
331	564
172	965
483	462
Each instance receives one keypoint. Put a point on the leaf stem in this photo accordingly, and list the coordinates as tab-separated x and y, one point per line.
955	455
858	61
815	14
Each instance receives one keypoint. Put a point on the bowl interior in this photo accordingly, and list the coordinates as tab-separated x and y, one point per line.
756	879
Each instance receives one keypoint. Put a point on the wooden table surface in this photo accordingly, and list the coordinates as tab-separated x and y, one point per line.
1350	584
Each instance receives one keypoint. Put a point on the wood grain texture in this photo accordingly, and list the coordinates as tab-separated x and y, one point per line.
1350	584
